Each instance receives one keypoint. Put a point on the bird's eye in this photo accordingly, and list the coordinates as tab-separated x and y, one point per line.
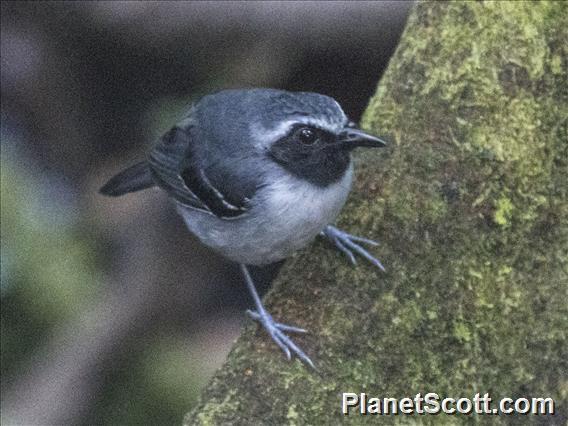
307	136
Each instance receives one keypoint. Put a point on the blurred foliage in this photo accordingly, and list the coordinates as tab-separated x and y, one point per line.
154	387
52	274
49	273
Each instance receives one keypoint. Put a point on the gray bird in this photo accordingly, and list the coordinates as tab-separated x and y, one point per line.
256	175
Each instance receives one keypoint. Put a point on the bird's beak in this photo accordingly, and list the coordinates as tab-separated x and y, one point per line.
353	138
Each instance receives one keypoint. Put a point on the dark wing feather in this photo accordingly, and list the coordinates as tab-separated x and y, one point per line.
176	169
165	160
195	178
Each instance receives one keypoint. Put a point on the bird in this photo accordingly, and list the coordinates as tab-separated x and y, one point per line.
257	174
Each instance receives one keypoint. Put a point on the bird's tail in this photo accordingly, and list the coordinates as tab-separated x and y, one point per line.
134	178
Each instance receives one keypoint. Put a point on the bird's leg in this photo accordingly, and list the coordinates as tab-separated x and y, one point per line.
347	243
274	329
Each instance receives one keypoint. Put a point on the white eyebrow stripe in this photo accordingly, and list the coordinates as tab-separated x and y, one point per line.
321	124
264	137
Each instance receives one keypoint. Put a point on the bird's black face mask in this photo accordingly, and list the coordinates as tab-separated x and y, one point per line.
318	156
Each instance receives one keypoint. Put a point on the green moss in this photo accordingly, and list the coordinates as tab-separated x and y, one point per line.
503	212
292	415
470	205
209	414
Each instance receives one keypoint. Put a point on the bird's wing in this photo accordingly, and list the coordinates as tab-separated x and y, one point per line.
176	170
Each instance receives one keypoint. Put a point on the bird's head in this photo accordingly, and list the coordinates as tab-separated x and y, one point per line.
309	135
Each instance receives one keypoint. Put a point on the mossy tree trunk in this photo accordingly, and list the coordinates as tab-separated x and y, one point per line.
469	203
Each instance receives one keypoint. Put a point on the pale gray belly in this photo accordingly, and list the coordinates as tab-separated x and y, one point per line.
286	217
252	240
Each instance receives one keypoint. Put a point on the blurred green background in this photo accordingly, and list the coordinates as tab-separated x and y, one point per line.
111	313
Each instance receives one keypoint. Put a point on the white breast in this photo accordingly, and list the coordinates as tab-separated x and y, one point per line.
287	215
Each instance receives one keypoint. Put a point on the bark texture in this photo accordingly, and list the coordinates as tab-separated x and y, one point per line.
470	205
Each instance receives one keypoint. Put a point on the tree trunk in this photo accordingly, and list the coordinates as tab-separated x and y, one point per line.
469	203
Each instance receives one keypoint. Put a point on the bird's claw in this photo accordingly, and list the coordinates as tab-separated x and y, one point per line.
347	244
282	327
276	332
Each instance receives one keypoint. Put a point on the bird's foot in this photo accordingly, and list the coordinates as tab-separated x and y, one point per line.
276	331
347	243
